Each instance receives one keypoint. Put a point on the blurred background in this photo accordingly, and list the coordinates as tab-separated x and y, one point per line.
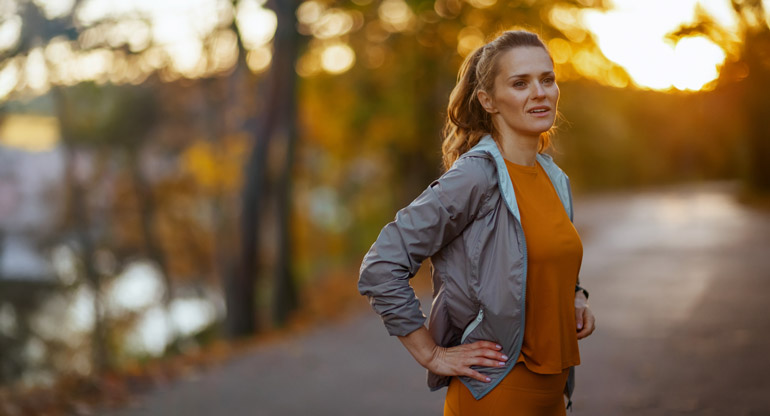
180	177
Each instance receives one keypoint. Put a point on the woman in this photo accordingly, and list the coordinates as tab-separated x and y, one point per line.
497	226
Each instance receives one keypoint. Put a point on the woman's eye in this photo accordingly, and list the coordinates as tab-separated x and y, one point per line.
519	84
549	81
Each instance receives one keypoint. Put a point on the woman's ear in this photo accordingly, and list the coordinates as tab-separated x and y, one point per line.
486	102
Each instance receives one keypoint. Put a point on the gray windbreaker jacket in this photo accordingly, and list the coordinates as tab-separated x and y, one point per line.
467	221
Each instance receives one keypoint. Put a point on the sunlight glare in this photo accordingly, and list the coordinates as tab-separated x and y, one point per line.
633	35
256	24
469	39
259	59
93	64
132	32
309	12
36	71
723	13
174	28
697	59
560	50
481	4
309	63
55	8
9	78
225	50
396	15
337	58
186	54
58	50
333	23
10	29
568	20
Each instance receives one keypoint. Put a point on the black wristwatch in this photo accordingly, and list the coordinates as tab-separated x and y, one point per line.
585	292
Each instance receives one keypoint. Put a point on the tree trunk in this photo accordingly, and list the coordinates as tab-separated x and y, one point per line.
240	288
285	291
756	86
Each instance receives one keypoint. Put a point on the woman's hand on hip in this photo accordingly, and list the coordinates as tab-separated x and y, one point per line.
454	361
457	361
586	322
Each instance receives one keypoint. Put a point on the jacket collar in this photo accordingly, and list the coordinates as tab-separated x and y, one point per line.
559	180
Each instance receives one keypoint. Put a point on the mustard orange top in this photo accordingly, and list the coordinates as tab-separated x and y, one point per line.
554	256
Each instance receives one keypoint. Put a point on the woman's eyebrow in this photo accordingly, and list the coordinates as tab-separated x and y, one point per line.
527	75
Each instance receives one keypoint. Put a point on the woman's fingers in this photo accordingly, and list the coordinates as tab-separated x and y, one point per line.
589	324
485	362
489	350
487	345
579	317
478	376
485	354
494	355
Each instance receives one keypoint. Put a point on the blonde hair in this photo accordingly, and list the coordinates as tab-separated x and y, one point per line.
467	121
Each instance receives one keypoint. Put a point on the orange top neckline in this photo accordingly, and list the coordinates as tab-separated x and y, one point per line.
523	168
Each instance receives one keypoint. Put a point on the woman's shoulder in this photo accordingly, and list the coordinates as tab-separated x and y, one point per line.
474	169
547	161
468	184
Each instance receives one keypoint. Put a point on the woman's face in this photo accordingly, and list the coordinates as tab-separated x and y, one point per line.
525	93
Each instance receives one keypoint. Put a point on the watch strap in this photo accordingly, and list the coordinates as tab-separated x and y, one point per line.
585	292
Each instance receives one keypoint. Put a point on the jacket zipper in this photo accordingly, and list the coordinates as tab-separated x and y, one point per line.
475	323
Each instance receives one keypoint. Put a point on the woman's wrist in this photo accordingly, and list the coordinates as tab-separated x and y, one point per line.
580	289
436	356
581	298
420	344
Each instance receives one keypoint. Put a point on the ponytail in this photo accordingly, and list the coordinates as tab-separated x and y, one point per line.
464	113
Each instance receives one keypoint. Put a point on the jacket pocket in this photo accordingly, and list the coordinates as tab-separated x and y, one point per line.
473	325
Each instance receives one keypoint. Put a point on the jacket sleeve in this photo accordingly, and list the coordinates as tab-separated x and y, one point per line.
419	230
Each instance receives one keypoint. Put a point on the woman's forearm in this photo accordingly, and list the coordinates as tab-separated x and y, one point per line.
420	344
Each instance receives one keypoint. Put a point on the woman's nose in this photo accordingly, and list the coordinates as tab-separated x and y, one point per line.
538	90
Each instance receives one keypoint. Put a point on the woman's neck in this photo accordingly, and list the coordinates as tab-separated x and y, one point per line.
521	150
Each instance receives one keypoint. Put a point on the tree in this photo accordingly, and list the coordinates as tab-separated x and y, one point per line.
756	56
747	73
276	121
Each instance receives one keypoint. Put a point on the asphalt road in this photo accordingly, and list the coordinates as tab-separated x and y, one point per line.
679	281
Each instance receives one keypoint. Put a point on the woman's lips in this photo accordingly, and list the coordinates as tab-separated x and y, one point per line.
540	114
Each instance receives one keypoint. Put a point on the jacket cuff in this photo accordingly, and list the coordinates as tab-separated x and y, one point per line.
400	325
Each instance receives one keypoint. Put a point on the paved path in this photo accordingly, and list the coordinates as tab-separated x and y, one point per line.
679	282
